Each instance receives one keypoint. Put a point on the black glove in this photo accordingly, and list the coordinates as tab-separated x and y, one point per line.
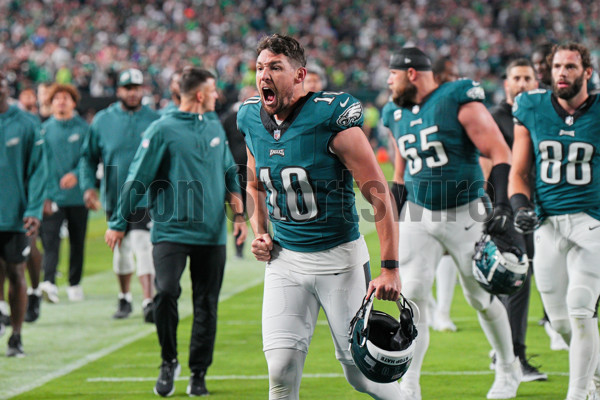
500	220
526	220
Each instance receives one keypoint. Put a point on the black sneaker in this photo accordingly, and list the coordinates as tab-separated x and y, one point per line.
33	308
531	373
149	313
123	309
15	347
165	384
197	385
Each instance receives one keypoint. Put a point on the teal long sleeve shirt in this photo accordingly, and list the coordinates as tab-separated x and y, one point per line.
63	145
22	169
185	164
113	138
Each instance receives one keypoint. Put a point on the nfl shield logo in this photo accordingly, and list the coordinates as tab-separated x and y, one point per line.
569	120
277	134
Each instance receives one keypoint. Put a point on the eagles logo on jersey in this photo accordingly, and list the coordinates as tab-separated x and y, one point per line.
351	115
310	196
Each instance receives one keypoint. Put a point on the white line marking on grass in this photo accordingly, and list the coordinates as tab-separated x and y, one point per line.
103	352
309	376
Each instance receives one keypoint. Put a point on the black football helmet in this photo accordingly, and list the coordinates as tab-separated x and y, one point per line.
382	346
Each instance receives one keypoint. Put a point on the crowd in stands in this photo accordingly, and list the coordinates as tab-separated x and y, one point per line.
87	42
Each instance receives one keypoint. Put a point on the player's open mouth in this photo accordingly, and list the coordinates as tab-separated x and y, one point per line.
268	95
562	84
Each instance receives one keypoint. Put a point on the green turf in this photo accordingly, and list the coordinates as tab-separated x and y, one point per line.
94	357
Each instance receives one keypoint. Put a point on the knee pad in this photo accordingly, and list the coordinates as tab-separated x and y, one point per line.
142	249
123	258
581	302
355	378
285	371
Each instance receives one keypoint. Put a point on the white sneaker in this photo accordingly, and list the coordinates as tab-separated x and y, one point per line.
506	383
49	292
442	323
556	340
409	391
75	293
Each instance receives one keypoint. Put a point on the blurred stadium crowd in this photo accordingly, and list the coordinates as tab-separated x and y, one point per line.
87	42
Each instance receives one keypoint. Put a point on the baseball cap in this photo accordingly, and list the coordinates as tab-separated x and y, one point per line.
410	57
131	76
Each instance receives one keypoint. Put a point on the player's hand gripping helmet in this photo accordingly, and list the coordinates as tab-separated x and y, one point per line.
499	272
382	346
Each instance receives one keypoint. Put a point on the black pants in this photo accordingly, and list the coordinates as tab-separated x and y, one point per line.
517	306
76	217
207	264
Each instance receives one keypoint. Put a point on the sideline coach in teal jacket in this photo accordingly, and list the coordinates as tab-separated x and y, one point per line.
185	163
21	199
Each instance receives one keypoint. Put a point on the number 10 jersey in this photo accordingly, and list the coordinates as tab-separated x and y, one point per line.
309	192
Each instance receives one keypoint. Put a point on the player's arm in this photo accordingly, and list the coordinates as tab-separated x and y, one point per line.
398	189
234	196
257	211
90	158
36	185
142	172
486	136
354	151
519	186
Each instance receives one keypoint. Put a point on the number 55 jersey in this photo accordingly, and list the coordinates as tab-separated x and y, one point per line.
309	192
566	152
442	164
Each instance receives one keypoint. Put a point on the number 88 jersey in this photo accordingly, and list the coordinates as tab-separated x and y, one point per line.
565	148
442	164
309	192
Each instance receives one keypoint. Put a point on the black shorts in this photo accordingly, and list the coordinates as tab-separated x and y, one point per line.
14	247
138	220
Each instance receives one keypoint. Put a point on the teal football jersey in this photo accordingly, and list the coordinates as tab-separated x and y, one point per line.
566	153
310	196
442	164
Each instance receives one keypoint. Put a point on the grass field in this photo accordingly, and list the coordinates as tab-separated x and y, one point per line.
77	351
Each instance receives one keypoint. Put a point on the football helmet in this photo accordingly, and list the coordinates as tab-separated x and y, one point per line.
499	272
382	346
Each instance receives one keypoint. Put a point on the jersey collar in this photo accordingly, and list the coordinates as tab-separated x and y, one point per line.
271	126
571	118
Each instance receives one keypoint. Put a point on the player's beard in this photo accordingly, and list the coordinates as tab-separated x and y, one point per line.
569	92
130	106
406	97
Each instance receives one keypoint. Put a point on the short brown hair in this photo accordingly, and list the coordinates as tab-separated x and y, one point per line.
60	87
583	51
282	44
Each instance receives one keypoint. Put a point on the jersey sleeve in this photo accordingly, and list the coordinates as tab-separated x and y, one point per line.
522	105
387	114
347	112
466	91
243	120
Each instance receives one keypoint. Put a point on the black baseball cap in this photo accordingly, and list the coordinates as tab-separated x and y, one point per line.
410	57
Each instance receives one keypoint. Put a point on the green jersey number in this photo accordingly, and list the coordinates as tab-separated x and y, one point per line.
411	154
578	170
300	198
